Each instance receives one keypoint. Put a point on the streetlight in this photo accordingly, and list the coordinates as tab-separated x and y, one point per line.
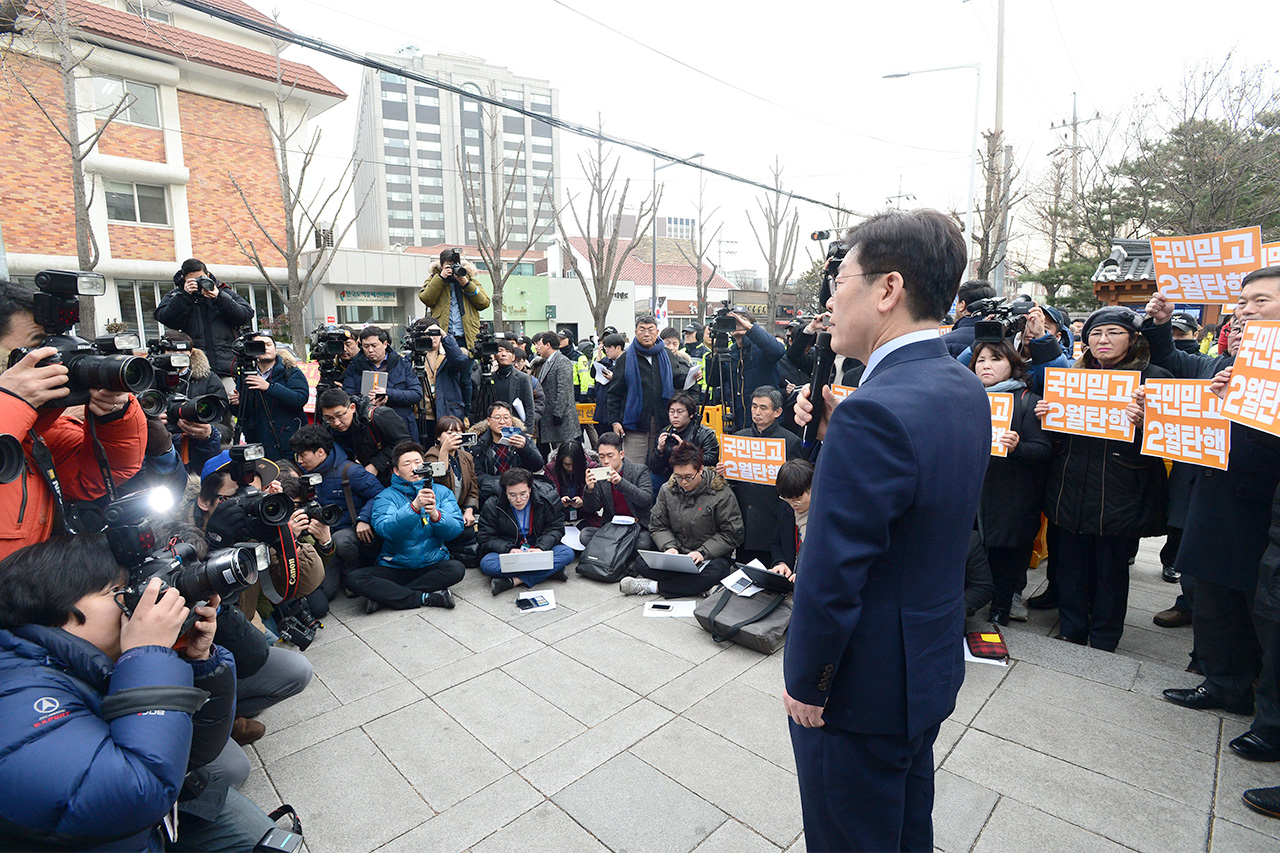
976	67
653	295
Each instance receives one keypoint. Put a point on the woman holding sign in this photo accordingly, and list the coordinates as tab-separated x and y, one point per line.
1103	494
1009	514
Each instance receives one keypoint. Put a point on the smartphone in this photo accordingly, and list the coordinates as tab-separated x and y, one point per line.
439	469
659	605
531	603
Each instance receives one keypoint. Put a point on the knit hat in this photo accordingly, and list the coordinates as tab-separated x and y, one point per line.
1112	315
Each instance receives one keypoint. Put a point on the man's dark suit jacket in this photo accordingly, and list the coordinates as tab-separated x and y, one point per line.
879	603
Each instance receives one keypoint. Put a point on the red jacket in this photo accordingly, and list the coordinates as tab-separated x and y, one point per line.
26	505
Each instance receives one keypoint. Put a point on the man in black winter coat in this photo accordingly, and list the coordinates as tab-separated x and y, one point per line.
759	503
368	435
208	310
683	412
960	338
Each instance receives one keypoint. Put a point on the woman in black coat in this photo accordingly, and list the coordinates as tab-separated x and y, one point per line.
1009	514
1103	496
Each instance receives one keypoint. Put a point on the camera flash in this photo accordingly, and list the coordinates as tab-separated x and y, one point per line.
91	284
160	499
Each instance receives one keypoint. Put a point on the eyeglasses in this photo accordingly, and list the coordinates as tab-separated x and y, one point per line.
837	281
222	498
685	479
1103	333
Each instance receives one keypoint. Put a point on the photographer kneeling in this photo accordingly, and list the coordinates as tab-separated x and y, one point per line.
96	728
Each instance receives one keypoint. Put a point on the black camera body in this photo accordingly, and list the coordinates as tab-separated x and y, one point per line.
451	258
106	364
295	622
207	284
328	348
247	349
1003	319
270	509
327	515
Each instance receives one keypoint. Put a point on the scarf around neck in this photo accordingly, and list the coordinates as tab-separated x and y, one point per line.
1006	386
635	392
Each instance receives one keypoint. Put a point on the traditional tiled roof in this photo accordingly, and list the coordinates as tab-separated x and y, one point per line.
639	270
102	22
1130	260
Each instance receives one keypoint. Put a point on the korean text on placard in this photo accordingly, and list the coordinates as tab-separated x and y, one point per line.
1001	421
1090	402
1183	422
751	459
1206	268
1253	396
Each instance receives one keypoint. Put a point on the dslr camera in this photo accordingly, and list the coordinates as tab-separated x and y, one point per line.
451	258
168	359
106	363
328	515
1002	319
207	284
272	510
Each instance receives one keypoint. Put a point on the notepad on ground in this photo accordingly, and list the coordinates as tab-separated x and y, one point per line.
670	562
986	647
526	561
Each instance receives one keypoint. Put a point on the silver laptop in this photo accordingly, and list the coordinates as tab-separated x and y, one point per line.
526	561
669	562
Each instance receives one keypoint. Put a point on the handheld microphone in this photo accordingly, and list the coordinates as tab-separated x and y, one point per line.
824	368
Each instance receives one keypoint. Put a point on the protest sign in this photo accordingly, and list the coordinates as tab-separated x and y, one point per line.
1206	268
842	391
752	460
1271	254
1253	396
1183	422
1001	421
1090	402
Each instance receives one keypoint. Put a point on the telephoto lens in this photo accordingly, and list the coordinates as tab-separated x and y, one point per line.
110	372
224	572
205	409
12	460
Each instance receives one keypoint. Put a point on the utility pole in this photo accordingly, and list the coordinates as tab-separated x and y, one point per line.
1002	234
1075	146
896	200
720	243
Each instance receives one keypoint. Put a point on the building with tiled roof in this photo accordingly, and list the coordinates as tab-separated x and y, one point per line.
161	175
1128	277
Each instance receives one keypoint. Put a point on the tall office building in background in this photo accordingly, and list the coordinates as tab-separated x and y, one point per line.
410	137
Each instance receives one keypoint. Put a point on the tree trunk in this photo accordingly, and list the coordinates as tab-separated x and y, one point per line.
85	255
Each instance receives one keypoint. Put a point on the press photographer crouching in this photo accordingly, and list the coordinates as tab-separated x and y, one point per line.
366	433
49	370
456	469
96	718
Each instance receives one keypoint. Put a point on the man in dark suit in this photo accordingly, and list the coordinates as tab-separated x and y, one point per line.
873	657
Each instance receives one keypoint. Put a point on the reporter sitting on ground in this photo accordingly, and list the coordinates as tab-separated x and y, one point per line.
460	476
568	473
795	483
270	400
626	490
696	514
367	434
684	413
96	729
27	511
415	518
403	391
493	459
522	518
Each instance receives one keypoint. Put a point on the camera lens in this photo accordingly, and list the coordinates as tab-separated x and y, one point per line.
202	410
111	372
152	402
330	515
225	572
275	509
12	461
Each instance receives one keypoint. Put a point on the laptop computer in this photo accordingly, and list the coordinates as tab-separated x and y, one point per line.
670	562
526	561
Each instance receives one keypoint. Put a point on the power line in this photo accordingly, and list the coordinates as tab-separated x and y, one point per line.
320	46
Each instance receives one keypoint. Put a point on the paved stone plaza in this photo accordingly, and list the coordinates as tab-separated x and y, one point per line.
592	728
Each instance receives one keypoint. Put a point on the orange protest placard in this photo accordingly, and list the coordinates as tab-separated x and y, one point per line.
1078	350
1090	402
842	391
1206	268
586	413
752	460
1183	422
1271	254
1001	421
1253	397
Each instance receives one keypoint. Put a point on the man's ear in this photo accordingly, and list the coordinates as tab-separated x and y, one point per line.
892	292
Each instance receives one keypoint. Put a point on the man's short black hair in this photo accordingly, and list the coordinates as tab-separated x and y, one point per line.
975	290
499	404
333	398
40	584
684	398
551	339
405	447
514	477
508	346
795	477
375	332
191	265
774	395
686	453
311	437
1265	272
14	297
614	340
646	320
924	246
669	334
610	438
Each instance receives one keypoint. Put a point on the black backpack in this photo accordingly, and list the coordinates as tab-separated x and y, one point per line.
609	554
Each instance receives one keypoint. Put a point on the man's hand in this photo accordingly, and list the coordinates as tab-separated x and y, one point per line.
1010	440
364	532
618	431
209	294
1220	382
672	551
1159	308
662	440
784	570
273	488
517	441
103	403
195	430
809	716
154	623
298	522
320	531
697	557
200	637
419	502
744	322
576	503
372	469
614	477
190	285
1035	324
819	323
256	382
446	272
234	397
722	467
468	517
804	409
36	385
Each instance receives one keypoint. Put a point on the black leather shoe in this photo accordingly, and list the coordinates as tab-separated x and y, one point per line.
1047	600
372	606
998	617
1170	575
1070	639
1172	618
1265	800
439	598
500	585
559	576
1202	699
1254	748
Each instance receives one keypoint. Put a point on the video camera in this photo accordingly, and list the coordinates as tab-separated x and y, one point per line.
107	363
1003	319
328	515
247	349
836	250
328	346
420	339
487	340
168	359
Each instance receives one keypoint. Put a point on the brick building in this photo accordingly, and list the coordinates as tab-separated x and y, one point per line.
161	175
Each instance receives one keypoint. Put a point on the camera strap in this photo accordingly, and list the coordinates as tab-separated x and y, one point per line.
44	460
100	454
290	577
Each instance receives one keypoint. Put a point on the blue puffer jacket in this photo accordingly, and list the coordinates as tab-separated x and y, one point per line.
410	540
70	777
364	487
404	391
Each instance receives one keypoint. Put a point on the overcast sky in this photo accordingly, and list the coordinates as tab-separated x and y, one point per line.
814	73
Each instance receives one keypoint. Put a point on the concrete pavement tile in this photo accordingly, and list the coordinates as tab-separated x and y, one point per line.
1116	670
413	646
334	629
766	676
471	626
1235	776
1116	810
980	681
630	662
574	759
545	827
471	820
733	837
578	690
679	636
259	788
359	620
314	700
503	605
1015	827
1153	717
1159	644
960	810
1154	678
681	693
352	670
663	817
799	846
279	743
349	795
948	735
507	717
582	594
444	763
1144	603
467	668
581	620
1229	837
744	715
1074	734
749	788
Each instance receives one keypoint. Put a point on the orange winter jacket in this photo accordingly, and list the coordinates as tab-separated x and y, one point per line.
27	508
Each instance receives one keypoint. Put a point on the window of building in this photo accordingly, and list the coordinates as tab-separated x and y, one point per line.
429	181
144	100
400	235
471	132
430	160
149	14
395	161
427	144
433	233
399	196
137	301
470	106
430	198
392	142
394	79
513	96
541	128
398	179
262	300
395	124
135	203
392	96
